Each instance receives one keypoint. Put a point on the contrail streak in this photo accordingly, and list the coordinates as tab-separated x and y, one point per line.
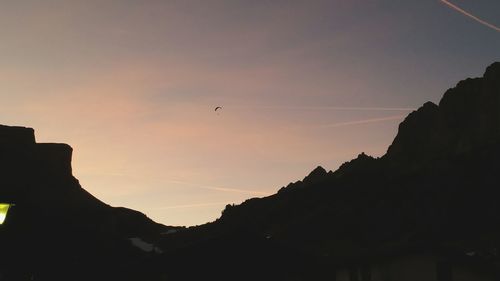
197	185
192	205
218	188
467	14
340	108
364	121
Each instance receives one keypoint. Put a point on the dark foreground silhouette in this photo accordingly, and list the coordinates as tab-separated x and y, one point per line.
426	210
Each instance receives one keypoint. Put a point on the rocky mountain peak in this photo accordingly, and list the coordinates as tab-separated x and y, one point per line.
13	135
492	71
317	174
467	116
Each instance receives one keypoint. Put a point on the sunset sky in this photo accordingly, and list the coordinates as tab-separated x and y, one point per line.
132	87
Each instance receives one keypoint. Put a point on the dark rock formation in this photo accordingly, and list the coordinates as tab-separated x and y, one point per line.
436	187
467	117
316	175
417	134
53	215
16	136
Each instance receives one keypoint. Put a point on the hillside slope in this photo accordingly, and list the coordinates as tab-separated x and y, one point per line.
57	230
436	187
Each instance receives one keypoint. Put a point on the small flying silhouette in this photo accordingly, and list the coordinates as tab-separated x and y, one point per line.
217	108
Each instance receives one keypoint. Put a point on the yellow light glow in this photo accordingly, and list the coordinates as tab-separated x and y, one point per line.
4	208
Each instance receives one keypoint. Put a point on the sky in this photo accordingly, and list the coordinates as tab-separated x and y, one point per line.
132	87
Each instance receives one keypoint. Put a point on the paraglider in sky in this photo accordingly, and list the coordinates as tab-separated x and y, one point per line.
218	107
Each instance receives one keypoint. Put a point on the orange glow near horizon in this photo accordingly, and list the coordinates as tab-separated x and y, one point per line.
132	87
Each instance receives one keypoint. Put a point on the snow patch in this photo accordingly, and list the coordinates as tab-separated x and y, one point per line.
145	246
170	231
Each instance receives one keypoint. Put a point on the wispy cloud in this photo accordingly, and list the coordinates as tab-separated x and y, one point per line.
467	14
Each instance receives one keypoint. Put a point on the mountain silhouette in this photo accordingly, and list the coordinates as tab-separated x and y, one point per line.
436	190
57	230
